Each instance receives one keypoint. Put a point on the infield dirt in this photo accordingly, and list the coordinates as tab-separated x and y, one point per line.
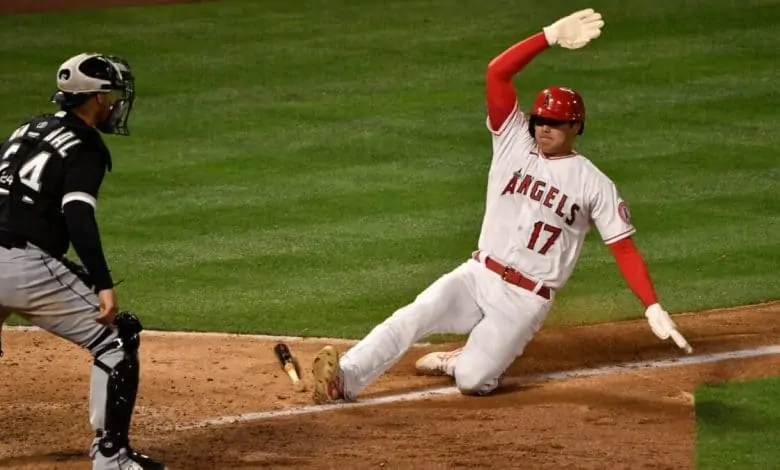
637	419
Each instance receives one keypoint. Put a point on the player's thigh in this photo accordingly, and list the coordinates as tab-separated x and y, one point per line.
59	302
448	305
496	341
12	262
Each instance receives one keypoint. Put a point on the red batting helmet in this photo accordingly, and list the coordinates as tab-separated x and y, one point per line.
559	103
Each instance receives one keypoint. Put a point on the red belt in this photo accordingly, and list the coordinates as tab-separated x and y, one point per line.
513	276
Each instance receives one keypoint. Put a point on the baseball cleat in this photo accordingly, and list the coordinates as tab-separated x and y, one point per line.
327	376
144	462
436	363
127	459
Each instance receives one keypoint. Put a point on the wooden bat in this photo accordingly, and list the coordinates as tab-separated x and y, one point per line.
290	365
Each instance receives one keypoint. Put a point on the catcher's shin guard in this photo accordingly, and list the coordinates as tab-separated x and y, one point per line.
122	385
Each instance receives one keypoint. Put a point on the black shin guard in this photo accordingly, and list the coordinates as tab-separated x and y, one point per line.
122	386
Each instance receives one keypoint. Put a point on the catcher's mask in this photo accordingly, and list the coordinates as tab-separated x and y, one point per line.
558	105
82	76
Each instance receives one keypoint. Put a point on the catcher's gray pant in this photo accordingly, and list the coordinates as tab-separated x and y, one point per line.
42	290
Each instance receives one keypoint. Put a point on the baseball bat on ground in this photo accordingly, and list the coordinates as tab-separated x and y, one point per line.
290	365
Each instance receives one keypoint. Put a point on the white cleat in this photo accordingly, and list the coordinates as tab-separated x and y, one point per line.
437	363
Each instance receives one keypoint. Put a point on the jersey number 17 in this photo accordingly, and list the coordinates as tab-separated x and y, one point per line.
554	232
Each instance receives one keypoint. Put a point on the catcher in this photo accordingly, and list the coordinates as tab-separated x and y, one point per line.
51	170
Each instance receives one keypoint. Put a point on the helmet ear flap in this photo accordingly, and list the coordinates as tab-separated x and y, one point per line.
582	128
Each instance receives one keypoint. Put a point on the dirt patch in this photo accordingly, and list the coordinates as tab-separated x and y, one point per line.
638	419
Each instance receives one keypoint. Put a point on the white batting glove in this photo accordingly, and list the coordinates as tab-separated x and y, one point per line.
576	30
664	327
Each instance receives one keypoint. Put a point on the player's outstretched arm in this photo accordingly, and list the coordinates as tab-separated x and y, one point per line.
500	92
572	32
634	270
637	276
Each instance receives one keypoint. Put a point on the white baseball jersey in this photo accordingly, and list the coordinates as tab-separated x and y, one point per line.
539	209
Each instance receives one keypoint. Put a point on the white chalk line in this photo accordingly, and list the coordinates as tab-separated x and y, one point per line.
216	334
451	390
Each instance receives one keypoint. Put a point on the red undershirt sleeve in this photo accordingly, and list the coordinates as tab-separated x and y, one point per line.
634	270
500	92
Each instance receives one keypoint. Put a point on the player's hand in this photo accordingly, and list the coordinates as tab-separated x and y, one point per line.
108	306
576	30
664	327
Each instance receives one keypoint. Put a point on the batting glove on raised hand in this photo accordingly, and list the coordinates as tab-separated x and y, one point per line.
576	30
664	327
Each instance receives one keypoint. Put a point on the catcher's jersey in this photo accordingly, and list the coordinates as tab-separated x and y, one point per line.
47	162
539	209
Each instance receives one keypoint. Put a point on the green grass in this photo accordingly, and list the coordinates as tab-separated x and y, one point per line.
308	169
738	425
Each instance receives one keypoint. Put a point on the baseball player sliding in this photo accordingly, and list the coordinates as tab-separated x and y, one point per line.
542	198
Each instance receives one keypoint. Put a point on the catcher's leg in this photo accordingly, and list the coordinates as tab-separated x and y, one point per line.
114	386
446	306
3	316
62	304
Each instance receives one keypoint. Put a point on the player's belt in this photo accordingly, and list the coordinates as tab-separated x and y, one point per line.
513	276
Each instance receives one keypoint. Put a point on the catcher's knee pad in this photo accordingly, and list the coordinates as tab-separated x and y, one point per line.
122	386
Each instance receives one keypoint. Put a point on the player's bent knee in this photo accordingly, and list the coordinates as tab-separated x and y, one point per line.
474	382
